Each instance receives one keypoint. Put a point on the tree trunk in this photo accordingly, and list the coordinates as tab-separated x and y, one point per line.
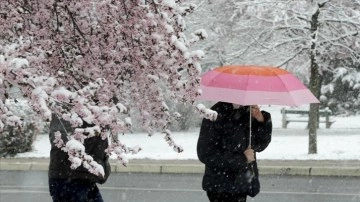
315	84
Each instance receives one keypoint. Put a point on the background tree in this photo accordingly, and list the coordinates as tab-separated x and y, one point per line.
317	40
218	18
304	34
96	61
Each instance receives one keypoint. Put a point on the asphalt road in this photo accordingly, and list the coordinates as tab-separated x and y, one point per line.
19	186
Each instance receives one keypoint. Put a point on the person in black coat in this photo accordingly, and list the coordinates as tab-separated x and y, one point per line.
223	146
75	185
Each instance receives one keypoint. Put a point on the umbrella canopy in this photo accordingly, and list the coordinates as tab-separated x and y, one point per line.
254	85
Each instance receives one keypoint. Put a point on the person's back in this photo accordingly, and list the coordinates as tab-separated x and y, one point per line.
66	184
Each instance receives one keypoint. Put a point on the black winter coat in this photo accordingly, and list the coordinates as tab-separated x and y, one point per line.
59	167
222	143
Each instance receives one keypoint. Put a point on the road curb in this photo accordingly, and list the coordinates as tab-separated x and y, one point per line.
138	168
15	166
344	171
198	169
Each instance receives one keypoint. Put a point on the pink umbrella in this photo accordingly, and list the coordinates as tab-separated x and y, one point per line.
254	85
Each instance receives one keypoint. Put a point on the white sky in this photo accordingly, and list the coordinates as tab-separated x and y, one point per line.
341	141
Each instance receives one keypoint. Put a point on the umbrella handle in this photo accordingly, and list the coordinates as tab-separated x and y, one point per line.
250	129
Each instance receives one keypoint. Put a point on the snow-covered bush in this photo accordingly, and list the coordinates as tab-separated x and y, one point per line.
18	136
341	91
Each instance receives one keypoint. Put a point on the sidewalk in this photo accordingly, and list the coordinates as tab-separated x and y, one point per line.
266	167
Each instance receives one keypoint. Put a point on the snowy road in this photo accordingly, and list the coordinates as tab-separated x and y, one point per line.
16	186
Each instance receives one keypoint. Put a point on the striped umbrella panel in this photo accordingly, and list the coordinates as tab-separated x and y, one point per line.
251	85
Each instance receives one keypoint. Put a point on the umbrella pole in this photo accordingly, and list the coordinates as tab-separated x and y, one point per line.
250	129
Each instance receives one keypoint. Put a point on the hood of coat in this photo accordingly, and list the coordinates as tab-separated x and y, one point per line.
227	112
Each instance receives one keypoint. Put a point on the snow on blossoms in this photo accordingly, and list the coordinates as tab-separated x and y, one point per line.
98	62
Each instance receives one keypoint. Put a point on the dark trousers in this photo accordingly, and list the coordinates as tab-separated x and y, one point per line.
74	190
225	197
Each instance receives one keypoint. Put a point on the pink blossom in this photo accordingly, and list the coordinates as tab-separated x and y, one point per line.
94	61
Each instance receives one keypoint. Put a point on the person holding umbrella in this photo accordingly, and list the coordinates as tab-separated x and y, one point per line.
229	152
228	145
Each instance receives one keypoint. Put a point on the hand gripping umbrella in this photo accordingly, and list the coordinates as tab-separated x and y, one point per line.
254	85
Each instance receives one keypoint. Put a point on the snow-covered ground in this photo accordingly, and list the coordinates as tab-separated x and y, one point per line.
341	141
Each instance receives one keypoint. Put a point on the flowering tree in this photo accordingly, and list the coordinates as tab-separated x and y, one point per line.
95	61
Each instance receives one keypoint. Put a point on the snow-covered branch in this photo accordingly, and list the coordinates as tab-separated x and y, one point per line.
99	62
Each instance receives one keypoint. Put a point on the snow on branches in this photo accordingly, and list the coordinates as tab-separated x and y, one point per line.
93	61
